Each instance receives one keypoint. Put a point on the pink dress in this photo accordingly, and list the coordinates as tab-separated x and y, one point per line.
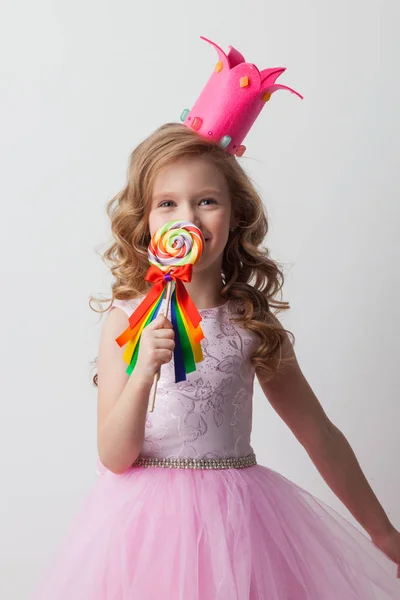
196	518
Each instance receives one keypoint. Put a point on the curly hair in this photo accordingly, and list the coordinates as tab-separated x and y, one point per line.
250	277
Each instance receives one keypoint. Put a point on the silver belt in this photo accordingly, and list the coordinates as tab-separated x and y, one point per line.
240	462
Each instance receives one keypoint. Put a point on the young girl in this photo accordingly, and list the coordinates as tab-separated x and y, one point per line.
182	510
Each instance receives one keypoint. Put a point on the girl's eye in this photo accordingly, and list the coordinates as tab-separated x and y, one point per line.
209	200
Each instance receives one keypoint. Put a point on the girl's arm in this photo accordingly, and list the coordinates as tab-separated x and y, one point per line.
295	402
122	399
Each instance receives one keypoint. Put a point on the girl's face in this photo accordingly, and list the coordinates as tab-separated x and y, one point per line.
193	189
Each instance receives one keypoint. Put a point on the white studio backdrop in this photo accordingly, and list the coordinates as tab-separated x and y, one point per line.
81	84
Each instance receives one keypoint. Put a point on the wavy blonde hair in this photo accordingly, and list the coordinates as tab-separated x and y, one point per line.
250	277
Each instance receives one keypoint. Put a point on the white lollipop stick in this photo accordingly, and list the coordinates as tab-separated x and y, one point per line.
157	375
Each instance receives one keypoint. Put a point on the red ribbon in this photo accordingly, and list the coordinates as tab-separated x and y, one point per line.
156	276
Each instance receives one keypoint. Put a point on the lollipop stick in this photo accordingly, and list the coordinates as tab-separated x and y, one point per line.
157	375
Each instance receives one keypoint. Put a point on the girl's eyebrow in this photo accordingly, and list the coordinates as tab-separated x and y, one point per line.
172	194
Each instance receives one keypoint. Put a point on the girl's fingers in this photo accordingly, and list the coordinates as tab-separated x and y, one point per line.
160	322
162	344
164	333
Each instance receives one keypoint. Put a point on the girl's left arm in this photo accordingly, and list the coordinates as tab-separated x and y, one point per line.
293	399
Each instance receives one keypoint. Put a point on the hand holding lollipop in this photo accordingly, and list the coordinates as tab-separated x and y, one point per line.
172	252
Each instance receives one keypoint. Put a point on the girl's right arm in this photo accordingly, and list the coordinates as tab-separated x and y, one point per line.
123	399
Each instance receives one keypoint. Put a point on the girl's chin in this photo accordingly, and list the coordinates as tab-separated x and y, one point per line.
203	265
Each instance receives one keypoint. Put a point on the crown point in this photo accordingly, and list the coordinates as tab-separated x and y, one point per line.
218	67
244	81
184	114
240	151
225	141
266	97
197	123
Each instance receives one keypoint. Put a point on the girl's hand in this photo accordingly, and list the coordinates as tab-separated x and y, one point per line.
156	347
390	545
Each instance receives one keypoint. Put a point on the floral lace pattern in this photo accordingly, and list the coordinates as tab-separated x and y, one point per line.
210	414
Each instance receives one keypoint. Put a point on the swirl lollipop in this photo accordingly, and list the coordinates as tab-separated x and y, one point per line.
172	252
176	244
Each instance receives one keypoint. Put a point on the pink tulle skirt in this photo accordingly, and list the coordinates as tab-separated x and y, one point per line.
236	534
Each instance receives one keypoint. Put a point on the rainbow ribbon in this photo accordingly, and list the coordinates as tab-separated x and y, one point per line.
185	320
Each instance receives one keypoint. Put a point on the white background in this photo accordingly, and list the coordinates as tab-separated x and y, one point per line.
82	83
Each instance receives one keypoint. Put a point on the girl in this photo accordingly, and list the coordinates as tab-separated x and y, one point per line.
182	510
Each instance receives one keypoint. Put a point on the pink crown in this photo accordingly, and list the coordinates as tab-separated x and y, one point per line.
232	99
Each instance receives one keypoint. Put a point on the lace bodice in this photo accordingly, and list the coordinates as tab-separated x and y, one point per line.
210	414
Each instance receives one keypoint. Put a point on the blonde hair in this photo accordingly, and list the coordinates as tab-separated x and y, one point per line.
250	277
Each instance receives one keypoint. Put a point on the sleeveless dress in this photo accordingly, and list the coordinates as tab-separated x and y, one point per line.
196	518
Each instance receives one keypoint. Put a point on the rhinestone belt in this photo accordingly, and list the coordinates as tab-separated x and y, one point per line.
197	463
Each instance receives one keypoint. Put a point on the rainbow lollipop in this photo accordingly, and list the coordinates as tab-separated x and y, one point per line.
172	252
176	244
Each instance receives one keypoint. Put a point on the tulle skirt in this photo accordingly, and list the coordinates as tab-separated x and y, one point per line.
236	534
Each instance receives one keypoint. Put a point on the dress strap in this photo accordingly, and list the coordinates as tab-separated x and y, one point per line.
128	306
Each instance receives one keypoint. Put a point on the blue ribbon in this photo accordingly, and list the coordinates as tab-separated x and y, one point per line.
180	373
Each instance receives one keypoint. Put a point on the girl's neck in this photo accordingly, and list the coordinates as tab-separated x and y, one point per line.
205	288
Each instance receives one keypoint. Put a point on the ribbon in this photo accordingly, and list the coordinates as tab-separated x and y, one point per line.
184	316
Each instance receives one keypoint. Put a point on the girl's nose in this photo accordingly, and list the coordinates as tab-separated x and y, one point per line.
190	215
